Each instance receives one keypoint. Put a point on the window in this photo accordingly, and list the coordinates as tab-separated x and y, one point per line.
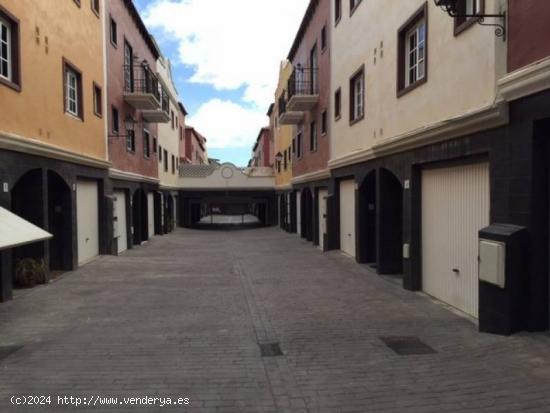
314	62
324	123
337	11
98	102
299	146
72	90
172	113
285	164
146	143
114	32
154	145
357	96
413	55
128	67
130	141
323	38
95	6
173	164
9	51
177	123
115	123
181	133
294	145
165	155
160	153
467	7
353	5
313	136
337	103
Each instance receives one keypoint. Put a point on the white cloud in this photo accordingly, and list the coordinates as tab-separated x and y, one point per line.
226	124
231	43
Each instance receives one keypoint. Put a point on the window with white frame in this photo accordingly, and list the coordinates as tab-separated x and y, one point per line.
415	53
357	96
72	90
6	62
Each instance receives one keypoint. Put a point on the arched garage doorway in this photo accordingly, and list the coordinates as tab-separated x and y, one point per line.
60	213
139	216
306	205
381	222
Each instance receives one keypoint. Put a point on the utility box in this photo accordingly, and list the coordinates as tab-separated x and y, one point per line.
502	265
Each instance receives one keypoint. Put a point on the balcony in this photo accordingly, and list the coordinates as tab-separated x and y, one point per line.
288	117
141	87
303	89
161	115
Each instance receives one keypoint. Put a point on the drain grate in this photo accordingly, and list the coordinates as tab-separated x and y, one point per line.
270	350
407	346
6	351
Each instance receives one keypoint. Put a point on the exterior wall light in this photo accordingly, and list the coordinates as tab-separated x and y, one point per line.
451	7
129	126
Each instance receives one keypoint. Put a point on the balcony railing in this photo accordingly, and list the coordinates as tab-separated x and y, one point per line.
141	87
303	82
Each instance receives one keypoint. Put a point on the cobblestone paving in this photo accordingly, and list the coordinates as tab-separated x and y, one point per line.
182	316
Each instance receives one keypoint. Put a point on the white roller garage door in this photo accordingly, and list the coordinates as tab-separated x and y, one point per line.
347	217
87	220
323	194
150	215
120	223
455	206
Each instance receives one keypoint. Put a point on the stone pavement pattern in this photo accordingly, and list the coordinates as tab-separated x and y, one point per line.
182	317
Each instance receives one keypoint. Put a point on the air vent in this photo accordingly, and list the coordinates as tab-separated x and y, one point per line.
407	346
270	350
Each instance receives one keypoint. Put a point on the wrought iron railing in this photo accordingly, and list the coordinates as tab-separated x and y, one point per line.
282	104
303	81
139	78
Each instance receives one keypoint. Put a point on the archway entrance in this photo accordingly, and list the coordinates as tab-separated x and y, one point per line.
139	216
27	201
306	207
381	222
60	213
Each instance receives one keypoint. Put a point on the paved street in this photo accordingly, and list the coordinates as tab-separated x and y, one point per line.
182	316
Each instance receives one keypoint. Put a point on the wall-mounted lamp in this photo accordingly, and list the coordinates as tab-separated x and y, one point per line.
129	126
452	8
279	157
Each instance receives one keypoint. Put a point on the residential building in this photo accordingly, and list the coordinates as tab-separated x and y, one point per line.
136	103
169	148
429	149
195	147
283	149
306	106
53	153
261	151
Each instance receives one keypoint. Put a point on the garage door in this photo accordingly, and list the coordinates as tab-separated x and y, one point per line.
150	215
347	217
299	213
87	220
455	206
323	194
120	223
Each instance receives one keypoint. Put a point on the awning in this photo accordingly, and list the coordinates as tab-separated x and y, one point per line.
15	231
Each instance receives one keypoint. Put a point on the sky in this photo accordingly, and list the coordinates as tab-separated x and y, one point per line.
225	58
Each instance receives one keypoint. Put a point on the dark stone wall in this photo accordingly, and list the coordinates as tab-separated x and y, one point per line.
14	166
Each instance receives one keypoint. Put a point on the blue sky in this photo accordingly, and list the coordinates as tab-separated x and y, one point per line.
225	64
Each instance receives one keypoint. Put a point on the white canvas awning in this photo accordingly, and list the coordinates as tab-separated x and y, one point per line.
15	231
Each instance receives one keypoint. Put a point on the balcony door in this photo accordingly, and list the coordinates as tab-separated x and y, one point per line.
128	67
314	65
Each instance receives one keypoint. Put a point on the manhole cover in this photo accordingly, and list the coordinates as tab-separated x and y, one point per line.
270	350
407	346
6	351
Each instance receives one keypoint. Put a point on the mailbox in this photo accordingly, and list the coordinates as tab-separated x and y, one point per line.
502	262
492	262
